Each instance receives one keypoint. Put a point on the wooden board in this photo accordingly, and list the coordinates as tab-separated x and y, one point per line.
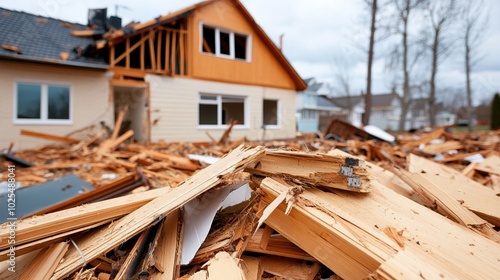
352	227
43	266
108	238
481	200
314	168
490	165
167	254
47	136
39	227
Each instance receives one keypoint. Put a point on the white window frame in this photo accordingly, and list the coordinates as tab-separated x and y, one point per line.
218	102
44	104
278	114
232	49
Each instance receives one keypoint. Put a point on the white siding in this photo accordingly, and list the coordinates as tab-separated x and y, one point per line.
89	100
174	105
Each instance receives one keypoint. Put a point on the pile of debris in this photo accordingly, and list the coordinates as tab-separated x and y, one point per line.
301	209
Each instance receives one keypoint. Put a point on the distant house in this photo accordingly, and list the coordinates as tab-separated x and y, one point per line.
313	108
180	75
386	111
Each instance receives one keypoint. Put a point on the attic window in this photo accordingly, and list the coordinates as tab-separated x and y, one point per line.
225	43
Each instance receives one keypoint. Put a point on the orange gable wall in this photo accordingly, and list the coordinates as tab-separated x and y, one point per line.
263	69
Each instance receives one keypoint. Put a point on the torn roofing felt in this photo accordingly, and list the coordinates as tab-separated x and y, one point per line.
43	39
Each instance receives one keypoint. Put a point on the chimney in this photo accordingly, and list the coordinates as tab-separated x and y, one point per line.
97	18
115	22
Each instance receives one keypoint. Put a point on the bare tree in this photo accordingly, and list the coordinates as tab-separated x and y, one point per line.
342	87
403	54
474	26
442	15
371	45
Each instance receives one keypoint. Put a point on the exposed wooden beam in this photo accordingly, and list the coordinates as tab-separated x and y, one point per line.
130	49
152	49
127	52
47	136
158	50
142	53
167	51
172	54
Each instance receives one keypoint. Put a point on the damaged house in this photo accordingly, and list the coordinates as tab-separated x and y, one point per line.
179	76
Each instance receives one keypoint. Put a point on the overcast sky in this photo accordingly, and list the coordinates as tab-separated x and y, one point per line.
316	33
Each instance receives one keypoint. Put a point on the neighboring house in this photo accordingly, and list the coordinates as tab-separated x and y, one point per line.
386	111
312	107
47	83
182	75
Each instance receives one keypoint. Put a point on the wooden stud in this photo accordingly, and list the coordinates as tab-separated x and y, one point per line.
127	53
168	34
152	50
158	50
142	58
112	56
173	54
129	50
45	263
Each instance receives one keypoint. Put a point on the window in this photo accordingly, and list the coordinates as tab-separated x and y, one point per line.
42	103
224	43
270	112
218	110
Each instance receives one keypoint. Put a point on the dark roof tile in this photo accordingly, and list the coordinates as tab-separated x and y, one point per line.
43	39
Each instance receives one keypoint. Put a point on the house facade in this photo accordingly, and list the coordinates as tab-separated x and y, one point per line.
45	85
313	108
187	73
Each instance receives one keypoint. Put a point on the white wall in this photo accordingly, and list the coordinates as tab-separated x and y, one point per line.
89	100
174	105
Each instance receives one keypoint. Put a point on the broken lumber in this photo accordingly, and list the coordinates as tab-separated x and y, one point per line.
123	229
474	196
39	227
490	165
277	245
313	168
351	228
44	265
47	136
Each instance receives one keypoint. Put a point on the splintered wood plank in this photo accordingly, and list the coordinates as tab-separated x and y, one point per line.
39	227
277	245
167	254
22	261
224	266
289	268
323	236
214	175
177	162
490	165
126	270
448	206
481	200
350	227
316	169
47	136
118	123
425	139
45	263
442	147
251	267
